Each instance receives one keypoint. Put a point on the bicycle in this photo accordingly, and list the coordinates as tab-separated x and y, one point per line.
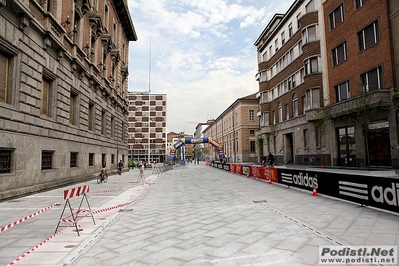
102	177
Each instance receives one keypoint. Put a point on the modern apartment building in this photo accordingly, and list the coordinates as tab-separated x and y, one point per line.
147	127
292	80
327	83
236	130
63	89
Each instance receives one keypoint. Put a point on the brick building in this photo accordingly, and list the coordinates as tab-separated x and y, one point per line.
327	87
63	89
236	130
147	127
360	82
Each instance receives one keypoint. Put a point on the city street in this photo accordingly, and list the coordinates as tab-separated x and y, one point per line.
191	215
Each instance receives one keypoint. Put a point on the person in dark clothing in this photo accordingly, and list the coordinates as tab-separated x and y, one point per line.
271	159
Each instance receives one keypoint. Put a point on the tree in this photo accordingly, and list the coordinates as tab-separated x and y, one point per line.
274	132
321	126
259	141
367	109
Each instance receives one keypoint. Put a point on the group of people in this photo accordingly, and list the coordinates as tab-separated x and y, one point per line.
267	160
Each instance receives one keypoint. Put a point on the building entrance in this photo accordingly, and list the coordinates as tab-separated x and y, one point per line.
379	147
347	146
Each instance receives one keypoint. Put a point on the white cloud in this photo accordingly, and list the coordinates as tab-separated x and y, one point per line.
202	53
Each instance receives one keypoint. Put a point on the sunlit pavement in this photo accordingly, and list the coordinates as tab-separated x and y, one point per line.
191	215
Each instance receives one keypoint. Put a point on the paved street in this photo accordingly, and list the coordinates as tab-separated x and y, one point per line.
192	215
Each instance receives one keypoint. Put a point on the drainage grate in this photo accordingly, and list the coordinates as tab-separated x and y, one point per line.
259	201
126	210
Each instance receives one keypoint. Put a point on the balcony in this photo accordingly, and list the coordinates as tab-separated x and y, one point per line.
378	98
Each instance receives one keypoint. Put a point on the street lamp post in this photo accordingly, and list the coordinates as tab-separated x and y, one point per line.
149	104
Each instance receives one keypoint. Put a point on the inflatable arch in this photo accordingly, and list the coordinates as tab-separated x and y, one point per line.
211	141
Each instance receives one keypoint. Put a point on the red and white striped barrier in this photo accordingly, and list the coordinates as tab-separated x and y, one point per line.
77	191
142	196
28	217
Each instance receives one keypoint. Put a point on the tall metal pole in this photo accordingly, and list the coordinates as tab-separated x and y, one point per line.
149	104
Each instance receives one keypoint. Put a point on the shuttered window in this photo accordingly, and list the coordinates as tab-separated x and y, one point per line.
3	77
45	95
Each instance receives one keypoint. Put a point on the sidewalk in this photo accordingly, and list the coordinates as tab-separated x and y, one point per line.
193	215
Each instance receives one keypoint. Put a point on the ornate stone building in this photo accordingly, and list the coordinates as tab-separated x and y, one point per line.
63	91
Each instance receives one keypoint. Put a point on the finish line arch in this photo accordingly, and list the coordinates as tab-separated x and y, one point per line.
211	141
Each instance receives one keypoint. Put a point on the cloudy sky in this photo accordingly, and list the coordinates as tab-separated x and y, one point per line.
202	53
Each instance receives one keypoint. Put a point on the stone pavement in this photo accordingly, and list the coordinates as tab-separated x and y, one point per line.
191	215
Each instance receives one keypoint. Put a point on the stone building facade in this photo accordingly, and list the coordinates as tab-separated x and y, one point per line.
291	75
147	127
63	91
236	130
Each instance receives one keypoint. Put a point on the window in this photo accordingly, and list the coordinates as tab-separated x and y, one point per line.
342	91
270	51
290	30
74	109
112	127
337	16
318	137
106	15
311	66
360	3
372	80
45	97
303	104
264	57
339	54
280	112
287	110
5	161
4	87
368	36
73	162
305	138
252	145
310	7
251	115
251	132
298	20
295	105
276	44
50	6
308	34
103	123
312	99
283	38
90	120
91	159
103	157
47	160
265	119
112	158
